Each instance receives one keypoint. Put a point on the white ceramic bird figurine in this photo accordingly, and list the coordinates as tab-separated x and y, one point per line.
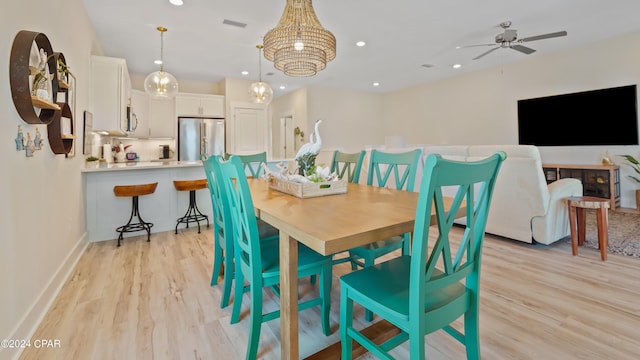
315	148
306	157
305	148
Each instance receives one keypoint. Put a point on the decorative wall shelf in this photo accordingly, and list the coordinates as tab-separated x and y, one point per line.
20	69
61	143
44	104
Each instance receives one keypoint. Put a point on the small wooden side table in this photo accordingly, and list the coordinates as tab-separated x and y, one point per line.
577	221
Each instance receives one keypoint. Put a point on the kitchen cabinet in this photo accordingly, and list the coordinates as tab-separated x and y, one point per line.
199	105
152	117
111	90
139	116
162	119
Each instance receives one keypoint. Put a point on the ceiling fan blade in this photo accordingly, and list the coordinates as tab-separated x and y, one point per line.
522	49
544	36
476	45
486	52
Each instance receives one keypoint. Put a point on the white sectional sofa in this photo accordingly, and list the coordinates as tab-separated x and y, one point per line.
524	207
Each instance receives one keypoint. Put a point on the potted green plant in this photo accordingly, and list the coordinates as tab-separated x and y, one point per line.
91	162
633	163
63	70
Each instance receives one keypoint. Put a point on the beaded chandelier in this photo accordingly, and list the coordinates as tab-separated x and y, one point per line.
299	45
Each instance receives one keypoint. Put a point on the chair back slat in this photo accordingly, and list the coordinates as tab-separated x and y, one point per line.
446	263
403	166
220	213
237	197
252	164
349	164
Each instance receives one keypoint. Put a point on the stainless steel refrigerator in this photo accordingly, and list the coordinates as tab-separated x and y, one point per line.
200	136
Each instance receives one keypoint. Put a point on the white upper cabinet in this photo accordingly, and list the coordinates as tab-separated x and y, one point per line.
111	89
139	117
199	105
162	120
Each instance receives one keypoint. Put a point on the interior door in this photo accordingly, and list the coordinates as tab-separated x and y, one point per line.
249	130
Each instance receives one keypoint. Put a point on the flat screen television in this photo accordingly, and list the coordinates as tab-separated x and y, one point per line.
597	117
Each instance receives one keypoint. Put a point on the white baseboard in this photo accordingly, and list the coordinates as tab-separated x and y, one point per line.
30	322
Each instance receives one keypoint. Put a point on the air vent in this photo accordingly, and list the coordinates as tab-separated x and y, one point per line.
234	23
427	65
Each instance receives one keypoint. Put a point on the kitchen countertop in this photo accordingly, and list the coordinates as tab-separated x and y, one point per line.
143	165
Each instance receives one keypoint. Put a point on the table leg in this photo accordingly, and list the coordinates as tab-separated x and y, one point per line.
288	297
582	225
603	232
573	226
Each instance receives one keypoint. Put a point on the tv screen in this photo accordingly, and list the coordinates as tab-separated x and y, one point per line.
598	117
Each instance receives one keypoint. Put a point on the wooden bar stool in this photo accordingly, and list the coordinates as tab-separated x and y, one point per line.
134	191
193	214
577	221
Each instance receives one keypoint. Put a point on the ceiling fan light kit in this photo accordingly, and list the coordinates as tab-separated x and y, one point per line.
161	83
299	45
509	39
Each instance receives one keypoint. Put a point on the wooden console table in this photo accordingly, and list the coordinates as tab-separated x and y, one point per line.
602	181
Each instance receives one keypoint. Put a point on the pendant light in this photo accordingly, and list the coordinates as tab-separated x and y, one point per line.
161	83
299	45
260	92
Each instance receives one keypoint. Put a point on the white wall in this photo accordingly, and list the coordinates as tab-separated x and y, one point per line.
351	120
481	107
42	222
292	104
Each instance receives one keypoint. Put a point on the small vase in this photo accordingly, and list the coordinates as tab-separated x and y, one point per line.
120	157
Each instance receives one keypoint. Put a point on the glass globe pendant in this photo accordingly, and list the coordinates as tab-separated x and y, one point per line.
260	92
161	83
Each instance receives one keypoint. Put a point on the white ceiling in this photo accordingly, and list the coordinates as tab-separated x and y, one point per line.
401	36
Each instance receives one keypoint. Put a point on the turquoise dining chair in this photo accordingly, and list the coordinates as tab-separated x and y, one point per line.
223	234
403	166
258	262
435	285
252	163
349	164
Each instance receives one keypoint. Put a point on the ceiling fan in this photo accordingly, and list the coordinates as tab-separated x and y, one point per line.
509	39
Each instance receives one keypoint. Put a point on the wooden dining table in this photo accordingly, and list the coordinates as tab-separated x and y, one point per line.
329	225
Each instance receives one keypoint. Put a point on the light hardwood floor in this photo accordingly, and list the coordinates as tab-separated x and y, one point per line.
153	301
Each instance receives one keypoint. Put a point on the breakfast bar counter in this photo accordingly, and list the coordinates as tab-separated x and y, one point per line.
105	212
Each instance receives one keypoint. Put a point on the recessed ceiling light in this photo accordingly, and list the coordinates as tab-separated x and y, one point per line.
244	72
282	87
457	66
157	62
176	2
361	43
376	84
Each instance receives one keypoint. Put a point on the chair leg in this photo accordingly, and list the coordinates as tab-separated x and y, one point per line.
406	244
369	261
218	261
354	266
471	332
325	295
229	274
346	322
237	297
256	322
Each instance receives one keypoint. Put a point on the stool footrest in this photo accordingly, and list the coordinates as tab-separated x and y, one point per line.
193	214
